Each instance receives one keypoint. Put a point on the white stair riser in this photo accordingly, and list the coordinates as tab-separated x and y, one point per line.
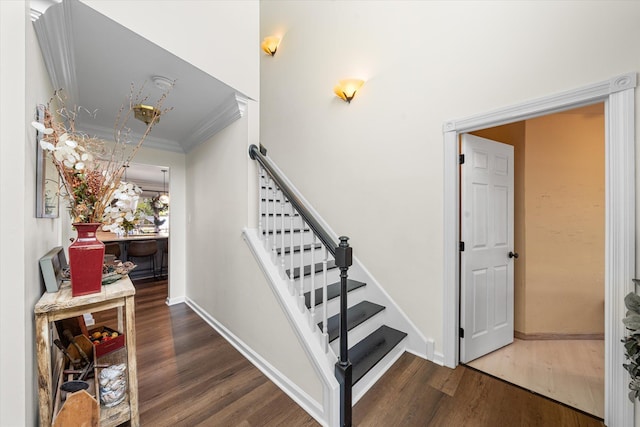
307	239
277	221
317	258
333	276
268	208
379	369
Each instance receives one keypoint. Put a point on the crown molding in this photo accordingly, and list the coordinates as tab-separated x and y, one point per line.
55	36
230	110
149	142
35	14
56	43
38	7
242	103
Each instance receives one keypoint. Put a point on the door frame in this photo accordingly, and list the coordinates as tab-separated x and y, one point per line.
618	95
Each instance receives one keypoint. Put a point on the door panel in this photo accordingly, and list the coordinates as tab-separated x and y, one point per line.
486	277
480	316
500	219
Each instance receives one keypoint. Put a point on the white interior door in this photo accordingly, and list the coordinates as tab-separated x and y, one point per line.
486	277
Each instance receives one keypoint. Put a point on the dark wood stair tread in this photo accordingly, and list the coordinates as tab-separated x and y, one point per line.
287	231
307	269
279	214
296	248
356	315
372	349
333	291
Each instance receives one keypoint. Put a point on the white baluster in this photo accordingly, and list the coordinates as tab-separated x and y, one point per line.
282	233
312	287
301	292
260	219
292	287
274	255
266	205
325	334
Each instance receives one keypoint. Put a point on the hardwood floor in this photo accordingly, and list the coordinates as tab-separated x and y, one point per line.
189	375
569	371
415	392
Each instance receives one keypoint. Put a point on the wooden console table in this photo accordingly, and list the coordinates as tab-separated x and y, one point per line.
61	305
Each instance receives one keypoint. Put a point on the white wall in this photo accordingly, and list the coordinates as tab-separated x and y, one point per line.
23	84
223	276
13	368
380	158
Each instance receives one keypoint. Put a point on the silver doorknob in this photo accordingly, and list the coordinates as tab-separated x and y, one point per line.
513	255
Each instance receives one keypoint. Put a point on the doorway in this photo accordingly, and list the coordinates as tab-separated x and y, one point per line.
618	93
151	224
559	235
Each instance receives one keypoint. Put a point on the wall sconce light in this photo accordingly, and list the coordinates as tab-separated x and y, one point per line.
347	89
270	45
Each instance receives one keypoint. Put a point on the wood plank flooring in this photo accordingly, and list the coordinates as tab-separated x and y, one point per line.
189	375
415	392
569	371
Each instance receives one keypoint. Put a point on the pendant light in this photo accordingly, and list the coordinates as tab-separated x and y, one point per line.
164	198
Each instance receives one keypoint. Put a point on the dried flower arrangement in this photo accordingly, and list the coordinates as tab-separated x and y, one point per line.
90	169
121	216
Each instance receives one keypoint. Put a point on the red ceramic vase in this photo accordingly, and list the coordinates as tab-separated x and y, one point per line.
86	255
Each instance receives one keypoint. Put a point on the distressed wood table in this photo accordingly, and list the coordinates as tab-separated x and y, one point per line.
61	305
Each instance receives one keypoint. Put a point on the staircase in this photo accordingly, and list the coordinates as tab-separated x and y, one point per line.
310	272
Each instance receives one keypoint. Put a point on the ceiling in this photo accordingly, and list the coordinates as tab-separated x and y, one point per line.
149	177
95	61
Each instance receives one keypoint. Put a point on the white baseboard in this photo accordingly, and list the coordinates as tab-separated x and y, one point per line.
438	358
174	301
298	395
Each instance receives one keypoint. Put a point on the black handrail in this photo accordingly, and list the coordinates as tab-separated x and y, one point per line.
343	254
259	155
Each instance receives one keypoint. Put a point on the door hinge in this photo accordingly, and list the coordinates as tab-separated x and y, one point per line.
461	246
461	332
461	159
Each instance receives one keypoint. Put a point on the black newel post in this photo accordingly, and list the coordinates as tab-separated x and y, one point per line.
343	367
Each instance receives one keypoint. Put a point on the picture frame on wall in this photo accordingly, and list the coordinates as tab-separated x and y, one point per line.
47	179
